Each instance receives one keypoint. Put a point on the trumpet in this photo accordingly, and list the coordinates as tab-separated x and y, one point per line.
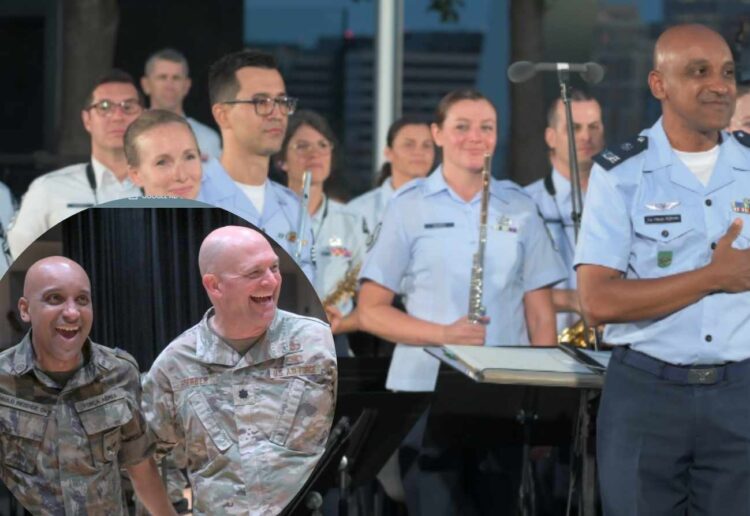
476	308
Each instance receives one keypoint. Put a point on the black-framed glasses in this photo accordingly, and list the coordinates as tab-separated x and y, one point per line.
106	107
264	105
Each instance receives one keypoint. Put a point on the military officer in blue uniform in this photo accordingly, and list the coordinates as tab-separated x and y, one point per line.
251	108
410	152
663	259
279	218
309	146
553	193
425	250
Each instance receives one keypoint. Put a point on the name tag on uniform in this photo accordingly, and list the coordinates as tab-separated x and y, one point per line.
19	403
195	381
80	205
98	401
437	225
662	219
284	372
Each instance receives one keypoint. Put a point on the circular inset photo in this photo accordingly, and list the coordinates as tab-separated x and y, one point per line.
179	344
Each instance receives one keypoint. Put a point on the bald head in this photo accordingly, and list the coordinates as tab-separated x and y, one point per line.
57	302
694	79
673	43
240	272
221	245
43	271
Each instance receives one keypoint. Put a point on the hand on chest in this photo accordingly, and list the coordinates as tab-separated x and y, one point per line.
676	229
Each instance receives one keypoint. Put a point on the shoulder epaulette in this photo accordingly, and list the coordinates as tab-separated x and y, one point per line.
742	137
609	159
511	185
121	353
408	187
283	189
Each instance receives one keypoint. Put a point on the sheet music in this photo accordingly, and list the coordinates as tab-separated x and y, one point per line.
600	356
518	358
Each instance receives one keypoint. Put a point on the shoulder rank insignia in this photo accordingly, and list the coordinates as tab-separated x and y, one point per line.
121	353
742	137
610	158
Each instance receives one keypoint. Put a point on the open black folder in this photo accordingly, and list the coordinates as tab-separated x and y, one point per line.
561	366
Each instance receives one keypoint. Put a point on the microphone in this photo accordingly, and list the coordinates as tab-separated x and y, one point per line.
522	71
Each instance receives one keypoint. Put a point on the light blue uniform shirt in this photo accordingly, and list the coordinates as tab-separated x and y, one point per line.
556	209
650	217
7	210
425	248
280	215
371	206
339	246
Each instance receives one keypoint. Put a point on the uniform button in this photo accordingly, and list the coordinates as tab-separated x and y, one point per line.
708	202
243	394
709	338
713	245
665	233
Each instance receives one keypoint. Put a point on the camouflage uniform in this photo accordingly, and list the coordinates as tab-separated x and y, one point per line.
251	427
61	449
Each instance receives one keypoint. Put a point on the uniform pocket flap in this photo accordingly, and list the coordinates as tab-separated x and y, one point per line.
20	423
208	420
662	228
111	414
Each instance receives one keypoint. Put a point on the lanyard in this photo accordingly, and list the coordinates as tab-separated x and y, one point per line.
91	178
549	185
322	218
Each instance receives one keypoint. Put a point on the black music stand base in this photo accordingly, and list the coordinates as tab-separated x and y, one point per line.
465	413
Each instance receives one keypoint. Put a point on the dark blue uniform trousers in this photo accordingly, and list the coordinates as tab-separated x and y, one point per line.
666	446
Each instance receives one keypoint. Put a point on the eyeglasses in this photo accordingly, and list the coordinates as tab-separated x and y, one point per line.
305	147
264	105
106	107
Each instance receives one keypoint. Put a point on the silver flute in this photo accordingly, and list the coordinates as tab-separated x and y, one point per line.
302	221
476	308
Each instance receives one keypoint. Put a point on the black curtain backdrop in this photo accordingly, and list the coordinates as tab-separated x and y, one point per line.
143	265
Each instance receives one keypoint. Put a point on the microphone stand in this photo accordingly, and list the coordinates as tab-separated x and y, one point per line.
582	467
563	76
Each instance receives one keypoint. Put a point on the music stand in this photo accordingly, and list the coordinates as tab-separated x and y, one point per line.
389	416
309	499
467	410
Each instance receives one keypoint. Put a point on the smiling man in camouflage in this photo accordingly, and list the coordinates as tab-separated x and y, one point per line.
70	413
247	394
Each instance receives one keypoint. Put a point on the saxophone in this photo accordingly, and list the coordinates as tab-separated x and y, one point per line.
476	308
302	220
345	288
